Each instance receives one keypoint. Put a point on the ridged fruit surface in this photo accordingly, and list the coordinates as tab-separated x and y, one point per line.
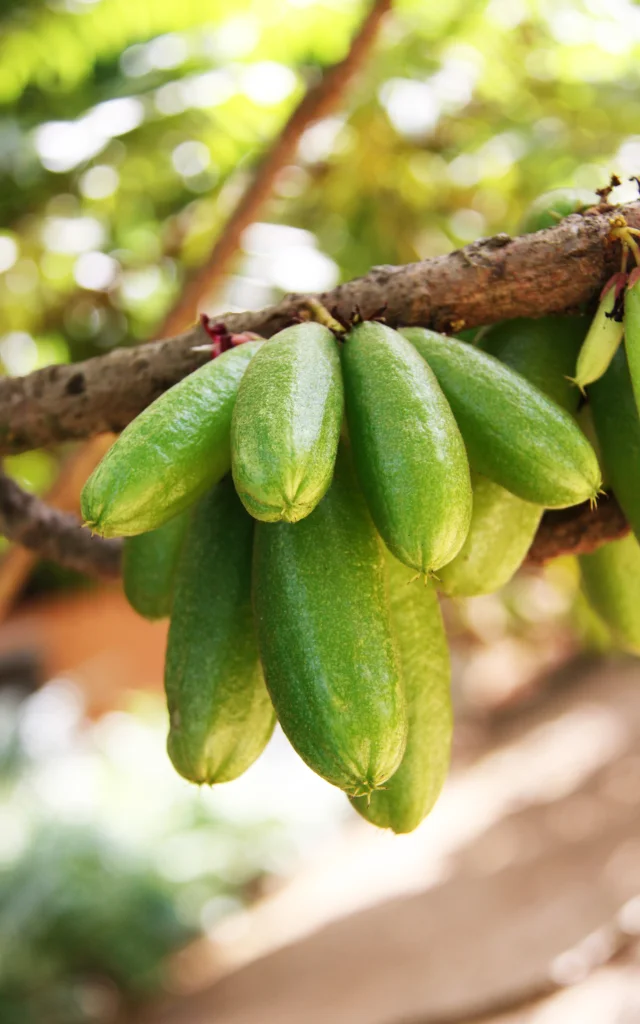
286	424
322	614
220	714
411	792
173	452
514	434
409	454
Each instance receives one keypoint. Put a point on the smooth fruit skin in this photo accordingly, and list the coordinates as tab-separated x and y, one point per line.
149	563
408	451
411	792
617	426
173	452
632	330
514	434
551	207
502	529
286	424
611	581
220	715
322	615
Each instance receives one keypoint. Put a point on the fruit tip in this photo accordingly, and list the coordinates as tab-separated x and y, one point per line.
593	500
578	384
365	790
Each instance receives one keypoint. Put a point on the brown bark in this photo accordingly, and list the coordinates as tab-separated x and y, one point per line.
496	279
578	530
55	535
18	562
318	102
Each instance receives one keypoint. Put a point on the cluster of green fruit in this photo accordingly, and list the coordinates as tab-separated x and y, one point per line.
298	569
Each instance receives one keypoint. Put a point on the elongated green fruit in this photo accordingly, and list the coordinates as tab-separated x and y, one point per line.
170	454
220	715
514	434
502	525
411	792
551	207
611	580
149	565
322	615
603	337
617	426
544	351
286	424
502	529
632	330
409	454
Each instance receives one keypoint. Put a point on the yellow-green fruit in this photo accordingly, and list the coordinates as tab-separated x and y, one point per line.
322	618
171	454
502	529
611	580
286	424
409	795
603	337
220	715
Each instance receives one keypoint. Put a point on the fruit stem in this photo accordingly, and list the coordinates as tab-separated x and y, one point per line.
621	231
321	315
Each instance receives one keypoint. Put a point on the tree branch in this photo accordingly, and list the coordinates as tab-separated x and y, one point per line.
496	279
17	563
577	531
59	536
318	102
55	535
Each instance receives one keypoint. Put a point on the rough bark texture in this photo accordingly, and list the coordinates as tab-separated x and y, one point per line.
64	495
578	530
495	279
56	535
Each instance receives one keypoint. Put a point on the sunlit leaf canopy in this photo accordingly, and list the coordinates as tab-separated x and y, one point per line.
128	128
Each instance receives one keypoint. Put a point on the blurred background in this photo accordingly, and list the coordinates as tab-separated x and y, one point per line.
129	131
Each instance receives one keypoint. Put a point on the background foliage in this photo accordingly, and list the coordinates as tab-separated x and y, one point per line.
126	131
